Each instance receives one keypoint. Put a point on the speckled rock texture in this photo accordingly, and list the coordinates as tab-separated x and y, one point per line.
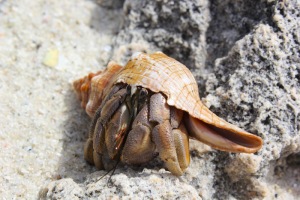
244	54
259	80
175	27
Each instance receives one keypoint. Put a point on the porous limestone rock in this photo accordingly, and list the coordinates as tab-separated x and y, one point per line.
259	83
175	27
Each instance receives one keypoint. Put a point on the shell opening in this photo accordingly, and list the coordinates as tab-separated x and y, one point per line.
225	139
246	141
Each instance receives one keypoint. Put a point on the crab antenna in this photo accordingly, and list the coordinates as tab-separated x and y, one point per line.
113	171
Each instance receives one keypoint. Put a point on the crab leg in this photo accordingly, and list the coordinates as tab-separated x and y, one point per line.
89	154
107	111
181	138
164	140
181	141
114	90
88	151
172	144
116	131
139	147
95	145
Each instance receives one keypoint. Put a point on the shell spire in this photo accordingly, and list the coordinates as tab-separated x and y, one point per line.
90	89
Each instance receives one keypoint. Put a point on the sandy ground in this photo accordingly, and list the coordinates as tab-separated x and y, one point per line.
44	46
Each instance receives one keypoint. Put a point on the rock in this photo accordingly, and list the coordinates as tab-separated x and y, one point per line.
259	83
61	189
147	184
111	4
253	82
175	28
51	58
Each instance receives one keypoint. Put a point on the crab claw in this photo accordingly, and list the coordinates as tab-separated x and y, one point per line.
226	138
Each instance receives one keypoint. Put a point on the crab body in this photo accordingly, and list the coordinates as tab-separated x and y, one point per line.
152	107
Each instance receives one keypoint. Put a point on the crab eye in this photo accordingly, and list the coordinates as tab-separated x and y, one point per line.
143	93
128	89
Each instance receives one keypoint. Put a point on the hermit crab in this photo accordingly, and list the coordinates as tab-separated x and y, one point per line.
148	108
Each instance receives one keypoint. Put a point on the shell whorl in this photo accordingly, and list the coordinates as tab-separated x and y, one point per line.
90	89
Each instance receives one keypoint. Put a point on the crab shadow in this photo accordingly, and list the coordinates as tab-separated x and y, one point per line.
75	129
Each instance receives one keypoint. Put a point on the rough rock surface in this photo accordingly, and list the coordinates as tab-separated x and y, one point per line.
259	80
176	28
245	52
